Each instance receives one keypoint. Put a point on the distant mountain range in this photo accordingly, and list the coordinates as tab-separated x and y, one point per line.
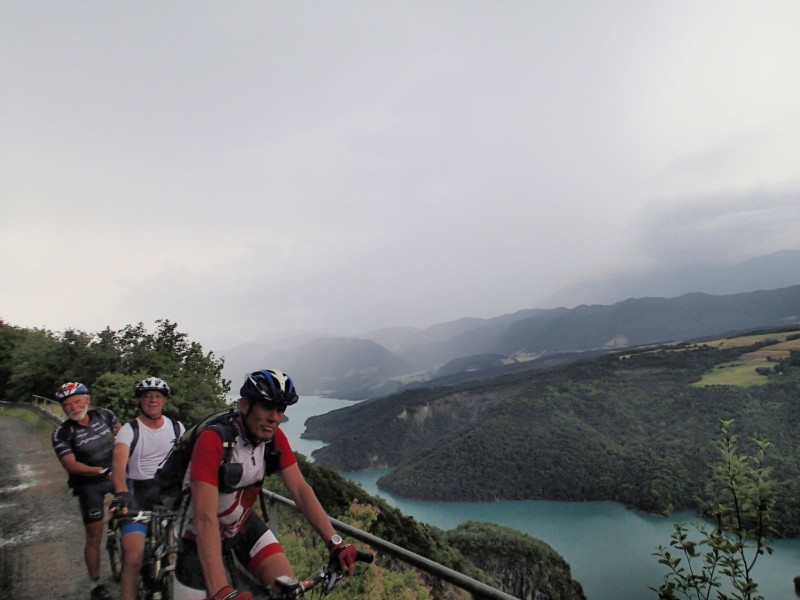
389	360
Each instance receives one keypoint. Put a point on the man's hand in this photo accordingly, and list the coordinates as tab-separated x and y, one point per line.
345	557
122	503
228	593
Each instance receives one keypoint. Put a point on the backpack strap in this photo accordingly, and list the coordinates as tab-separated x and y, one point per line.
134	423
272	458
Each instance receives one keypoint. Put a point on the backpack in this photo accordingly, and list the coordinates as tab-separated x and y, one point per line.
172	471
134	423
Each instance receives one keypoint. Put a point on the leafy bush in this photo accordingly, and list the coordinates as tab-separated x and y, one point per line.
720	565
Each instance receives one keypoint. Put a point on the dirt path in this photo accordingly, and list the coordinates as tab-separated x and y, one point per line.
41	534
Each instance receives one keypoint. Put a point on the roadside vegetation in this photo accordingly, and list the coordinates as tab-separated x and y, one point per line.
27	416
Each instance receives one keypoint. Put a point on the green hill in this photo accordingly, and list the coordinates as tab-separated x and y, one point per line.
625	427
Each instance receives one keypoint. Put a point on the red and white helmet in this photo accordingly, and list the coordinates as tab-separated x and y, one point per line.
71	388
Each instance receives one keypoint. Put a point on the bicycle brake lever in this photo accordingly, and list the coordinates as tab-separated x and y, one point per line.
331	582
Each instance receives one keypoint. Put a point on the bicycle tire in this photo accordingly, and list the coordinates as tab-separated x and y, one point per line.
155	582
115	552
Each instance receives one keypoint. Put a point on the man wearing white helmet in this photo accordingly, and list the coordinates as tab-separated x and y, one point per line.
83	444
139	449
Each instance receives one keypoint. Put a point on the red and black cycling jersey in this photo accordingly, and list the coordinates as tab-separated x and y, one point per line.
234	507
92	444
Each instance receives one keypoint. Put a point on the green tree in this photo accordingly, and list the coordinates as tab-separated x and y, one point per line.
35	365
115	391
194	376
9	338
37	361
720	565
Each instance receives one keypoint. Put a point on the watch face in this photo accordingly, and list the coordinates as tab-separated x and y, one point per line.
337	539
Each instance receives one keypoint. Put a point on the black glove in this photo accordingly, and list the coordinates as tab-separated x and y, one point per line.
344	556
122	504
228	593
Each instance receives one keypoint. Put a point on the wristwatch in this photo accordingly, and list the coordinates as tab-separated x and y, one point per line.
334	541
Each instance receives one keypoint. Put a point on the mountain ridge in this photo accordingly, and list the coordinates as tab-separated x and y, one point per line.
358	368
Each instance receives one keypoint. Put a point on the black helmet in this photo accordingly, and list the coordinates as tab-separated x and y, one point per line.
151	384
269	385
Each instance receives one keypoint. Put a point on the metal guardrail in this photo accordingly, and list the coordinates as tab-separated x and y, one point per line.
468	584
37	404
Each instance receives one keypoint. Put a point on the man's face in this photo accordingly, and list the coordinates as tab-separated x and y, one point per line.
76	407
263	418
152	403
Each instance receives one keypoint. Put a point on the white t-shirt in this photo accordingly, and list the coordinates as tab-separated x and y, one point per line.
151	447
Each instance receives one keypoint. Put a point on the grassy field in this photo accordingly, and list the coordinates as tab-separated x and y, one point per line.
742	372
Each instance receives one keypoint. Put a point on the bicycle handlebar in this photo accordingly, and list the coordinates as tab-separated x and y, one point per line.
144	516
364	556
292	588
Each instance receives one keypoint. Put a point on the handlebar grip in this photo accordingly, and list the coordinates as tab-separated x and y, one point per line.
364	556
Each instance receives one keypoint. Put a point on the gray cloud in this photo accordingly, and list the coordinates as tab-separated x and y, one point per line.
344	166
722	229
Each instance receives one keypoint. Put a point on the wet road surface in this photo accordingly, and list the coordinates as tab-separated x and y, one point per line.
41	533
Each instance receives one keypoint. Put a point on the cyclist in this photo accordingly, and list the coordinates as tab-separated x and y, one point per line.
84	444
220	514
139	448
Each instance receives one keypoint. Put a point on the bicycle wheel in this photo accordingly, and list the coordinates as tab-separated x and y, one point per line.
114	549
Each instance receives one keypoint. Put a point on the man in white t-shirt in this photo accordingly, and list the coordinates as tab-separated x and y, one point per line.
139	449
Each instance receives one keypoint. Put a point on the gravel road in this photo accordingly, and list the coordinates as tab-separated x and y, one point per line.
41	533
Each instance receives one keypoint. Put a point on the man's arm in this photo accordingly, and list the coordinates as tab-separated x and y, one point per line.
73	467
307	501
119	465
205	498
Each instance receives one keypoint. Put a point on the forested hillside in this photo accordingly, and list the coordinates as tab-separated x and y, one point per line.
626	427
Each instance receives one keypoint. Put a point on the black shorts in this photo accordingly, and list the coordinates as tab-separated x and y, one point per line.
146	493
91	497
251	542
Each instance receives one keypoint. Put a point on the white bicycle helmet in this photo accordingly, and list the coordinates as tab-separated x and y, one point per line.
151	384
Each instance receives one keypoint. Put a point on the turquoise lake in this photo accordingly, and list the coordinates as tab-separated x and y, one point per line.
608	547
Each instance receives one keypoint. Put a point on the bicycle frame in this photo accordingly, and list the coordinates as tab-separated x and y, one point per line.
160	552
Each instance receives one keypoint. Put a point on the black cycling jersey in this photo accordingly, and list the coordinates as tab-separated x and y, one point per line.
91	445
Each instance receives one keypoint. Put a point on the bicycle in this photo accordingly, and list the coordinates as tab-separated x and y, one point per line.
160	552
318	585
114	549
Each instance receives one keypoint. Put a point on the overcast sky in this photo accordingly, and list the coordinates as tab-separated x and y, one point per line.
253	168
